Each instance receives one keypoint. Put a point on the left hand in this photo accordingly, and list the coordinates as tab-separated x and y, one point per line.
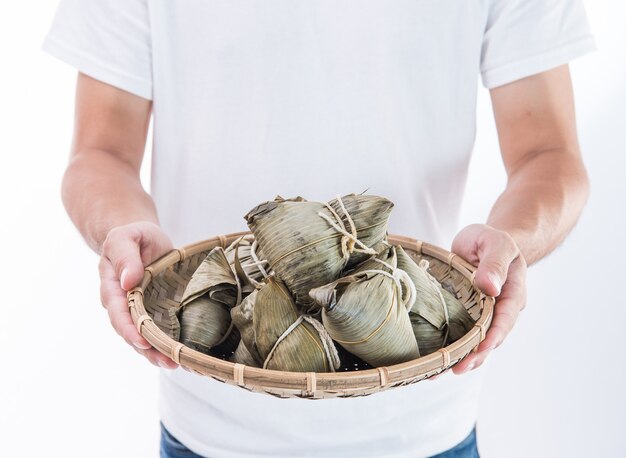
501	273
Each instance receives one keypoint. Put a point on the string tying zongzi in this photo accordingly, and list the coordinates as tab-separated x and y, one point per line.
329	347
401	278
259	263
286	339
349	239
248	267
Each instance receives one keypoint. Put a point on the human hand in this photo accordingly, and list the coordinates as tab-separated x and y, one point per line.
125	252
501	273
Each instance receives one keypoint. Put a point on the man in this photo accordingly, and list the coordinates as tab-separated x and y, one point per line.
251	99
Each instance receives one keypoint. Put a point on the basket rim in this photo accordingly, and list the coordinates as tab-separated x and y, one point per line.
310	384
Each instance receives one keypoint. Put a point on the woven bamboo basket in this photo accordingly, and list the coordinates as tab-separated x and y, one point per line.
153	303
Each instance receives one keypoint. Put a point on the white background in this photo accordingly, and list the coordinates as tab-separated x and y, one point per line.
69	386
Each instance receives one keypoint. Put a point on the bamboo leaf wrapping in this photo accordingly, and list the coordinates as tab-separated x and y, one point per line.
302	349
364	313
242	316
204	312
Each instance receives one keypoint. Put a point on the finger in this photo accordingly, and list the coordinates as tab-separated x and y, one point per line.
157	359
511	301
496	334
114	300
122	248
473	361
502	324
121	321
146	355
507	308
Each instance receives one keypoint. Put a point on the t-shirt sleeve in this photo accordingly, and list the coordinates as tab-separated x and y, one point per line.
526	37
108	40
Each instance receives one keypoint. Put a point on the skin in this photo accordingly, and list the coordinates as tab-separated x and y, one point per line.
546	190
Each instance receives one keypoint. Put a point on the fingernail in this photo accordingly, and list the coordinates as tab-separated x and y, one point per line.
141	346
495	281
164	365
471	366
123	277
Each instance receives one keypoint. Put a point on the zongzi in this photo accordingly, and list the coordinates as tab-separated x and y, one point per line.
204	312
287	340
437	317
366	311
308	244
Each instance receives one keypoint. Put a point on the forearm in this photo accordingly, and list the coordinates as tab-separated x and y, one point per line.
542	202
101	191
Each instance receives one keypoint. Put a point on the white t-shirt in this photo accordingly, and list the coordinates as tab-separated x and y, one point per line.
314	98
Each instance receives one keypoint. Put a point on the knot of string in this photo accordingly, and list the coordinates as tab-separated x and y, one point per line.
256	261
327	342
244	268
349	241
400	277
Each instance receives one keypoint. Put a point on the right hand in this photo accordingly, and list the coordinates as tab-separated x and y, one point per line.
125	252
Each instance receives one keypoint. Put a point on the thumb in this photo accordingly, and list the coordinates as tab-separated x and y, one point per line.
495	256
131	275
125	256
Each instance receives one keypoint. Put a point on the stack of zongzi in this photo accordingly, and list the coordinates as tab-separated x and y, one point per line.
315	276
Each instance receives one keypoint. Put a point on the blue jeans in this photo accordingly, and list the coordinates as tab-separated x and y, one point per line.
466	449
172	448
